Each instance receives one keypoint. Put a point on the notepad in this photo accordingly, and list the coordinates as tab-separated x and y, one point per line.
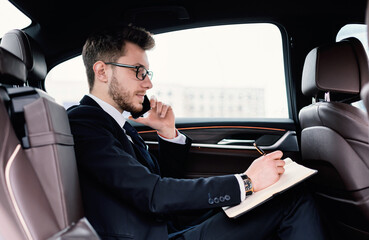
294	174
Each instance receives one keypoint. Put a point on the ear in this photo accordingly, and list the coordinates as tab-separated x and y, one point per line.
100	71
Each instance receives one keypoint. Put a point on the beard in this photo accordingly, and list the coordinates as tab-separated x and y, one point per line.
122	97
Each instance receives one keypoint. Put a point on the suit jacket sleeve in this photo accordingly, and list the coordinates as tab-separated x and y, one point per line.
169	166
102	160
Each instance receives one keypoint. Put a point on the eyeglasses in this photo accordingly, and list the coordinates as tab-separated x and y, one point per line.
141	71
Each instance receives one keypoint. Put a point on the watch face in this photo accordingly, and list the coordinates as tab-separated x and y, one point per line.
248	184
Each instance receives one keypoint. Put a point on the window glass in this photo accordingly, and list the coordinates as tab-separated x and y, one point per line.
222	71
358	31
11	18
67	82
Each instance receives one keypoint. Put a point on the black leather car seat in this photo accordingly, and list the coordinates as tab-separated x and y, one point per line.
334	137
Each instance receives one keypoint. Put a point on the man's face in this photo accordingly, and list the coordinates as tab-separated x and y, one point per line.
125	89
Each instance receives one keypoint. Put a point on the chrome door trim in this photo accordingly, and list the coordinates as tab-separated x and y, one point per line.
276	145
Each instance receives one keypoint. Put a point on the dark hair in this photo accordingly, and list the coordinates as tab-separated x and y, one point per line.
108	45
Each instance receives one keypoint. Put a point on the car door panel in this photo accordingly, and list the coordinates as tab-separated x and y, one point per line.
226	147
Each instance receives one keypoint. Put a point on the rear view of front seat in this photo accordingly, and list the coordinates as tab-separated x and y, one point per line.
334	138
47	138
45	177
25	210
12	70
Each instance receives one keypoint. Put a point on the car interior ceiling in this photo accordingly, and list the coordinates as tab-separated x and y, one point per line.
55	46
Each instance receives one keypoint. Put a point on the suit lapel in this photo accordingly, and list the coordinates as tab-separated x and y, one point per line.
122	137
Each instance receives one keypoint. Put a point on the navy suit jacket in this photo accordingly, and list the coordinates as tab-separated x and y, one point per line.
122	198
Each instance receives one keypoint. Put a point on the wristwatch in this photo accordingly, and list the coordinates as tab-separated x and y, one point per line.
249	189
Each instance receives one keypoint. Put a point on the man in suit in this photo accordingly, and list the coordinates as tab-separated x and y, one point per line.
128	194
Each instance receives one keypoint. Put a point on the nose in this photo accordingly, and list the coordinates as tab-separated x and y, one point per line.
146	83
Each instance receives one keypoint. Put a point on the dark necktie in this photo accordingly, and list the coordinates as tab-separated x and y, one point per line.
140	146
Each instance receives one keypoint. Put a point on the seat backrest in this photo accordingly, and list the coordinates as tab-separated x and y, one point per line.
334	137
48	139
46	146
10	226
25	210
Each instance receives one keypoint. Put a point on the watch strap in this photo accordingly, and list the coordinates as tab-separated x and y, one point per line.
249	189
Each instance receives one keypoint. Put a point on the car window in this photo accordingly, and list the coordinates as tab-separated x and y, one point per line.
9	11
222	71
358	31
67	82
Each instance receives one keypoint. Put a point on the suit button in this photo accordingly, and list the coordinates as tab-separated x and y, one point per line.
227	197
221	198
211	201
216	200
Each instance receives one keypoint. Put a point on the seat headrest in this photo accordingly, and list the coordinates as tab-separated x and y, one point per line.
21	45
12	70
341	67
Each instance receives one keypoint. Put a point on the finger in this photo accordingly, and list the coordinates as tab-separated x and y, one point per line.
153	101
159	106
163	112
280	163
141	120
166	109
275	155
280	170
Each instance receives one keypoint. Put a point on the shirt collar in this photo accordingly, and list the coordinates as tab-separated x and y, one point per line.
112	111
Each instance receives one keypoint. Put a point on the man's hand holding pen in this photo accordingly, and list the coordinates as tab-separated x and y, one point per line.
265	170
